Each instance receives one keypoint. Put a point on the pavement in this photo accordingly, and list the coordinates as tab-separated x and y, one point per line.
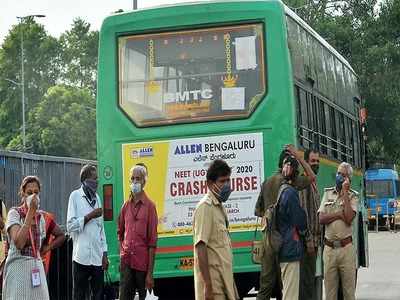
381	280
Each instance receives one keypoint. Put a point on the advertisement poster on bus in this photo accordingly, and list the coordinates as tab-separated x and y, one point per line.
177	177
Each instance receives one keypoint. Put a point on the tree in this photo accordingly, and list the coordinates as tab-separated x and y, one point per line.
41	63
79	55
64	123
383	76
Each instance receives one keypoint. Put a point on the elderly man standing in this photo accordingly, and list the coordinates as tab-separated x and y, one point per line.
137	234
337	211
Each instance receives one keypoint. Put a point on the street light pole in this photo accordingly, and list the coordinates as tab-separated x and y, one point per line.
21	19
134	4
23	89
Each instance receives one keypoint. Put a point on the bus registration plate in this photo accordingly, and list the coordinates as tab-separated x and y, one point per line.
186	263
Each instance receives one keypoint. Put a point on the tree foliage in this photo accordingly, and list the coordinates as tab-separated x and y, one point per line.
79	55
62	123
41	62
366	33
51	65
60	76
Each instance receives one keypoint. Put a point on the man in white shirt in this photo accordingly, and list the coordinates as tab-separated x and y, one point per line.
86	227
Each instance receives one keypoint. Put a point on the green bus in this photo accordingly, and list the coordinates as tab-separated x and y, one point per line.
182	85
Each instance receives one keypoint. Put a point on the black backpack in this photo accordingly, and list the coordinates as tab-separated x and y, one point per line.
274	236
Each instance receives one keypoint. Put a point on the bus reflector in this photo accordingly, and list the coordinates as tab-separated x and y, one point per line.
108	202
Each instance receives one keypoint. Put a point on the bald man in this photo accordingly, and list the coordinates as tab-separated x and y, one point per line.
137	234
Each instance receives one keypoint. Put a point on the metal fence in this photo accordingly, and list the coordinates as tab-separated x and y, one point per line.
59	177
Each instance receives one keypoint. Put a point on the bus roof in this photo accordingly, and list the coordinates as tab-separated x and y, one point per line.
381	174
201	2
288	11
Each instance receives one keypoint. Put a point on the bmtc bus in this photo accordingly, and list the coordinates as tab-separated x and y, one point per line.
382	191
182	85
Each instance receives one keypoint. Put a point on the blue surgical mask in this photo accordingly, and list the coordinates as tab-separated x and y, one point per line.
339	181
224	192
136	187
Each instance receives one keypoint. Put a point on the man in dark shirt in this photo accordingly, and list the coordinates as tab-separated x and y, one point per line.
269	275
292	224
310	202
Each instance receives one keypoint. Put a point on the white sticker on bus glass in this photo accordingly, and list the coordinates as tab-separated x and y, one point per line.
245	50
233	98
177	177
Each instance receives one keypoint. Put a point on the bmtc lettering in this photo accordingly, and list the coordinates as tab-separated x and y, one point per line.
188	95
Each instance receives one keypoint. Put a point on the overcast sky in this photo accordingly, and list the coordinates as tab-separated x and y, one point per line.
59	14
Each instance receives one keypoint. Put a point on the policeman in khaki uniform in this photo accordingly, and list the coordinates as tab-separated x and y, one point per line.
213	272
337	211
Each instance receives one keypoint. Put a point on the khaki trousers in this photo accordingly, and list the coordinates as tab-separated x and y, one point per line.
290	273
340	262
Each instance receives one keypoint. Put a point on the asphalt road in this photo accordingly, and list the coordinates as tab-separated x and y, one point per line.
381	281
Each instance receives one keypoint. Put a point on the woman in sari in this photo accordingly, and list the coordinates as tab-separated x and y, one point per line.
24	275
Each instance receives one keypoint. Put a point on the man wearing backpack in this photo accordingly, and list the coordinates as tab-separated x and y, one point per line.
269	276
292	224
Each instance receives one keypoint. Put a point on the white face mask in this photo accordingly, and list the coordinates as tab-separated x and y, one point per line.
29	200
136	187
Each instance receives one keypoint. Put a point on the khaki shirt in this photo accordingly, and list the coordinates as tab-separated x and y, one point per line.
210	225
270	189
333	203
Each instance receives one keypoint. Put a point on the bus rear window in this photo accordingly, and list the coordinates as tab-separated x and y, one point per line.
192	76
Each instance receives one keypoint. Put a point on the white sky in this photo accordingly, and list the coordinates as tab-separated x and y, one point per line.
60	13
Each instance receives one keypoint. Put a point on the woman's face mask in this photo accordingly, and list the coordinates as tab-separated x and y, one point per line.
29	198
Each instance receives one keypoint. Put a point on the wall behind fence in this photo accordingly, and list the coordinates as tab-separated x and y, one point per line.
59	177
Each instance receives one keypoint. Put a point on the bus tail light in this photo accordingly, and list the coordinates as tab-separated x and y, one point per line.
108	202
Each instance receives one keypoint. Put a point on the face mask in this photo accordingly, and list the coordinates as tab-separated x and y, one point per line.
136	187
29	200
223	193
339	182
91	184
315	169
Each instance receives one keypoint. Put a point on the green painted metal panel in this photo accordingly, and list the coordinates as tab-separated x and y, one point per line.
274	116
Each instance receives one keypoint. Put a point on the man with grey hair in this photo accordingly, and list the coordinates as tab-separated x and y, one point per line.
137	234
337	211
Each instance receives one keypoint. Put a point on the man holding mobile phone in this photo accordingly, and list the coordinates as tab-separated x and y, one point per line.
337	211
